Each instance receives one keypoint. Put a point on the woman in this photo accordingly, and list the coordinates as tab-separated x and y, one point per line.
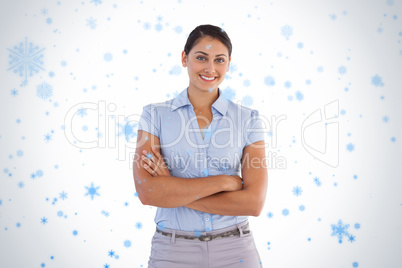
205	139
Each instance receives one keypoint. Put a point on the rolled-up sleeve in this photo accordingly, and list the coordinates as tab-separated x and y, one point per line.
150	121
254	130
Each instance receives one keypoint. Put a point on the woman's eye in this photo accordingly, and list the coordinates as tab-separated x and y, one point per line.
220	60
200	58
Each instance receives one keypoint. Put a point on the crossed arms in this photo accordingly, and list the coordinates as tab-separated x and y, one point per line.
221	194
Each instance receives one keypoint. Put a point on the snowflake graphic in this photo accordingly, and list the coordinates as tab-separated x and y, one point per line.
147	26
340	230
43	220
317	181
176	70
96	2
127	243
105	213
82	112
91	23
287	31
44	11
350	147
129	130
377	81
44	91
14	92
297	190
26	59
138	225
48	137
63	195
269	81
111	253
92	191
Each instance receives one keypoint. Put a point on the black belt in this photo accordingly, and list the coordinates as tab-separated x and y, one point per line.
234	232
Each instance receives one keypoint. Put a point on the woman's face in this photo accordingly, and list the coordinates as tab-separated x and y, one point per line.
207	63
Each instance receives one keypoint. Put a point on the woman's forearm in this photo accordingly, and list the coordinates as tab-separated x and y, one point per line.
235	203
168	191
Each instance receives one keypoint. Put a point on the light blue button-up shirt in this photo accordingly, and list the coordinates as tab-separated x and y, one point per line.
189	155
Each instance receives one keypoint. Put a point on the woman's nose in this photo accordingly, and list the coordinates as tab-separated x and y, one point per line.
210	67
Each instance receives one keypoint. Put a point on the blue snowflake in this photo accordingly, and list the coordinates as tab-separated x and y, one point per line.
48	137
92	191
350	147
385	119
340	230
159	18
317	181
158	27
147	26
229	93
377	81
297	190
44	11
127	243
342	70
247	101
26	59
138	225
285	212
178	29
105	213
43	220
14	92
287	31
82	112
96	2
232	68
63	195
108	57
176	70
111	253
269	81
299	95
91	23
44	91
129	130
39	173
21	184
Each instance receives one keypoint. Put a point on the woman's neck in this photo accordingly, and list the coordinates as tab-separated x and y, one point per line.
202	100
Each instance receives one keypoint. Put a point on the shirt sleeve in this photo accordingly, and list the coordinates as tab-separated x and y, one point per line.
254	130
150	121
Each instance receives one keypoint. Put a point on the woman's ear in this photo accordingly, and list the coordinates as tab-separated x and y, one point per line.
184	58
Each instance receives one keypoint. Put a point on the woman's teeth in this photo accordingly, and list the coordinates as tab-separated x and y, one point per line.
207	78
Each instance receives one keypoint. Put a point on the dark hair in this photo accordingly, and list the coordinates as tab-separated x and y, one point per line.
207	30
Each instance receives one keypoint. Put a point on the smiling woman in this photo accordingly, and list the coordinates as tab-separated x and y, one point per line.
190	153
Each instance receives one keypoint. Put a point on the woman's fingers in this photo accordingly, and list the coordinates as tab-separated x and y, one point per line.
153	168
149	169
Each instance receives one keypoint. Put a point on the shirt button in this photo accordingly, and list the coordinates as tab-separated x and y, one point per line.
207	219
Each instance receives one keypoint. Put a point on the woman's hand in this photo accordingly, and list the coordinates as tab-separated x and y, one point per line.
154	163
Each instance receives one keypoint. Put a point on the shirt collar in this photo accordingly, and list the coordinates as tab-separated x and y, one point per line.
221	104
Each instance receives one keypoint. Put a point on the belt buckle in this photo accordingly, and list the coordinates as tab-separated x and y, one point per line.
205	238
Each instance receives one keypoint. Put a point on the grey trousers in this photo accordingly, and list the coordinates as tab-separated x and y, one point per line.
235	251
